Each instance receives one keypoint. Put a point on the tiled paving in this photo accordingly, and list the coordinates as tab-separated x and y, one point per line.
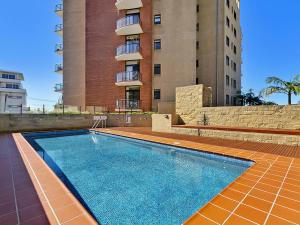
60	206
282	150
19	202
268	193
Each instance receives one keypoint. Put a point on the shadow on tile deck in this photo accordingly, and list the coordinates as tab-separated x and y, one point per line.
19	202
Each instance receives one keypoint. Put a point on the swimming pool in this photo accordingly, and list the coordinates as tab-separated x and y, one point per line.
127	181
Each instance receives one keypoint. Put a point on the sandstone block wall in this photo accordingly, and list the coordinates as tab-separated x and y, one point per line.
190	99
277	117
242	136
33	122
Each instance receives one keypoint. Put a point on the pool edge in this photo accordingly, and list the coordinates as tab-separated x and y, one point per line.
60	205
265	164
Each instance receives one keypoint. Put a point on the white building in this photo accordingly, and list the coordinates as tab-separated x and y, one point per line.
12	94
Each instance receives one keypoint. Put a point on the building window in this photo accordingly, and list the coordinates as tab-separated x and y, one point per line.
156	94
227	60
227	41
227	22
234	101
227	80
198	8
234	66
157	44
227	99
157	69
5	76
157	19
13	86
234	83
197	63
234	49
234	32
8	76
198	27
228	3
197	80
234	15
14	97
197	45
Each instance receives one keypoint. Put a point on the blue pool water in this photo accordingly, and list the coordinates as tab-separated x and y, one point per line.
124	181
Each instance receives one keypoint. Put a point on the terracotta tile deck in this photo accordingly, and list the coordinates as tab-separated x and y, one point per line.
19	202
41	198
267	193
283	150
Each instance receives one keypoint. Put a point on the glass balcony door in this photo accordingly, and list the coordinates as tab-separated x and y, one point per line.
133	40
133	93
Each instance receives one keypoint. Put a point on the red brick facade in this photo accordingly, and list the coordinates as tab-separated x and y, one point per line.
101	44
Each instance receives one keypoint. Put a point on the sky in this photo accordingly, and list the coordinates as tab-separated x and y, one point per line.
271	44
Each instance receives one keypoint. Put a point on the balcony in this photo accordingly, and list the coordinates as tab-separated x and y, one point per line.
59	49
128	105
59	29
17	80
59	10
128	52
58	88
129	25
128	4
59	68
128	79
12	89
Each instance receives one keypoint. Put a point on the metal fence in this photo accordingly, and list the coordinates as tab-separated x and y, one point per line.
124	107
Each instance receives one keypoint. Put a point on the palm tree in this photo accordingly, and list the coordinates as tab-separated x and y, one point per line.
284	87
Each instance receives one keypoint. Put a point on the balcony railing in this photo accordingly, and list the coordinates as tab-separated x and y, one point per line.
128	20
129	25
128	76
12	89
59	49
58	88
59	28
59	8
58	68
128	104
128	49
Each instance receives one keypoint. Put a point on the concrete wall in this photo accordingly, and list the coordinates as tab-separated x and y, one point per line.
281	117
163	122
74	52
177	56
229	51
17	123
166	108
212	50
